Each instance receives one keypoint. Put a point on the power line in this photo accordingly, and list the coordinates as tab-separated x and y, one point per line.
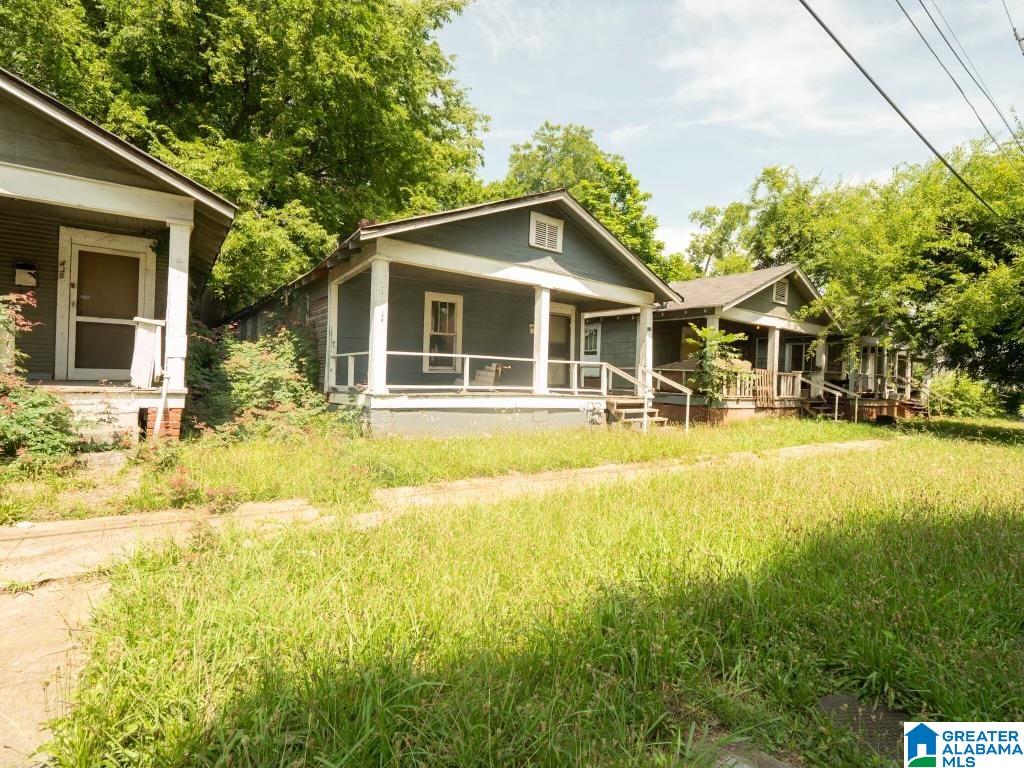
899	111
1013	134
1018	38
949	28
970	104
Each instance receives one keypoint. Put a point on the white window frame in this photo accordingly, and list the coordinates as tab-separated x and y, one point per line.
71	241
785	292
429	297
558	224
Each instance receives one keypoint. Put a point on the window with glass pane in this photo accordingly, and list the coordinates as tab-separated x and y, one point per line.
590	341
443	333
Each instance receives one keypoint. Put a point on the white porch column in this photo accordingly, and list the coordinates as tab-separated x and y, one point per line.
885	372
712	321
377	365
176	343
331	363
645	344
541	337
821	363
774	337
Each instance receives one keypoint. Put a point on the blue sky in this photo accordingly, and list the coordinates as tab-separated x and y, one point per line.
698	95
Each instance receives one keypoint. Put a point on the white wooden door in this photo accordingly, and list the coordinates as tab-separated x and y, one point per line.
107	281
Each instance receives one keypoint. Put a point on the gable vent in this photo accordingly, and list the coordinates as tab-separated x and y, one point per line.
545	232
780	292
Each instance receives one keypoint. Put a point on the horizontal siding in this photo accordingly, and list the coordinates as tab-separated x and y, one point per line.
26	239
505	237
36	240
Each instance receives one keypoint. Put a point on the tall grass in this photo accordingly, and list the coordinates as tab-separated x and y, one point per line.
338	472
603	627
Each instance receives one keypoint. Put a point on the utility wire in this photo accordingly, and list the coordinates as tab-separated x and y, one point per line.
1013	133
1018	38
949	28
970	104
907	120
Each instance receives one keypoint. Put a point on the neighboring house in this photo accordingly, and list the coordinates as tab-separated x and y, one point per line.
793	359
111	241
473	319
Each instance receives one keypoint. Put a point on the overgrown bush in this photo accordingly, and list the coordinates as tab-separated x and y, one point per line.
33	423
715	357
957	394
245	388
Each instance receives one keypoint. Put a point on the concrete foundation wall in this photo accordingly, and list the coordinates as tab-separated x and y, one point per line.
448	422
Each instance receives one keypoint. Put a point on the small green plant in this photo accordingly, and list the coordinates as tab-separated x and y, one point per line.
32	422
714	354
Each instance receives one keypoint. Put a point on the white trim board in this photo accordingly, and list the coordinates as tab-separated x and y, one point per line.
471	402
771	321
29	95
465	264
89	194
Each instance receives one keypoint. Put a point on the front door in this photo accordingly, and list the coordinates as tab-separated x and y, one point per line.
559	348
107	281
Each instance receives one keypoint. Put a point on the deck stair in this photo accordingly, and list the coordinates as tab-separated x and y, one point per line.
914	407
629	411
822	406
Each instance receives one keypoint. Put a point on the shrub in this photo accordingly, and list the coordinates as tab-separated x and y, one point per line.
245	388
714	354
957	394
32	422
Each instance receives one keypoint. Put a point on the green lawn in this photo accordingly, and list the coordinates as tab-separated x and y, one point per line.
612	627
339	472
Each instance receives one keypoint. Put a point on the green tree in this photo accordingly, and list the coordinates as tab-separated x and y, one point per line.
567	156
309	113
914	259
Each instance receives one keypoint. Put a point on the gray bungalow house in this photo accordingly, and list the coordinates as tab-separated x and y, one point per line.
473	319
109	242
792	360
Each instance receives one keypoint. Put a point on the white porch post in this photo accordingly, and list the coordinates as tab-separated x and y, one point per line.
377	365
177	303
645	345
541	336
712	321
331	363
821	363
774	337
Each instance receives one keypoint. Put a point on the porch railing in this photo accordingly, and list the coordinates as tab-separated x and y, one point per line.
836	391
467	378
788	385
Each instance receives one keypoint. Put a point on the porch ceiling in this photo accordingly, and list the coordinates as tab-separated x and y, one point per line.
584	304
205	240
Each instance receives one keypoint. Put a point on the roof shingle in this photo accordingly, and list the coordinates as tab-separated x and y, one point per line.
720	291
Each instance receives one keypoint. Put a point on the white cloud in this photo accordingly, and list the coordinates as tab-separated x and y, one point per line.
625	134
511	26
676	238
768	67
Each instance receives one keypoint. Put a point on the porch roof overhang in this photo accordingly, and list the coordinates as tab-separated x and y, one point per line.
561	198
175	198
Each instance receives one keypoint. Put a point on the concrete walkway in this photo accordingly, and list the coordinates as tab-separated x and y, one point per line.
53	567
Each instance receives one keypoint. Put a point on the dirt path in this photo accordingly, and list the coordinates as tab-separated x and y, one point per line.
41	628
394	502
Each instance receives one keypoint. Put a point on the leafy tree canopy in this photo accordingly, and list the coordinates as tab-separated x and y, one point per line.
915	259
311	114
